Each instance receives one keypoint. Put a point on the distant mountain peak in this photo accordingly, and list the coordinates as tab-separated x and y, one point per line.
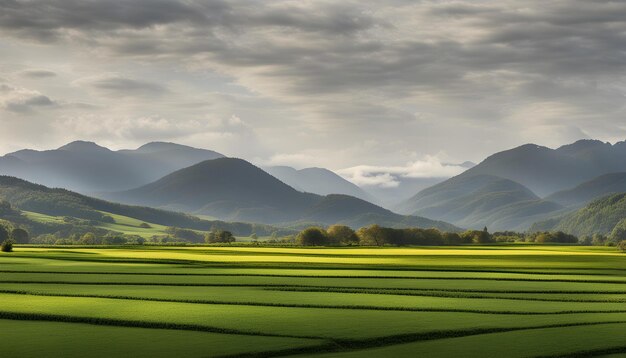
154	146
583	144
84	146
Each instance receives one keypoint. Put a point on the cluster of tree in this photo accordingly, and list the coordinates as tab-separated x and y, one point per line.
600	240
89	238
376	235
185	234
219	237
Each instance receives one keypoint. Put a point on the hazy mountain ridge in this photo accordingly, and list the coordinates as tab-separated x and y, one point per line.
595	188
233	189
87	167
477	201
545	171
319	181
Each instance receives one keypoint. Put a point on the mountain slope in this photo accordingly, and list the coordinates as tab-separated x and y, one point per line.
233	189
545	170
317	181
37	198
600	216
88	167
477	201
593	189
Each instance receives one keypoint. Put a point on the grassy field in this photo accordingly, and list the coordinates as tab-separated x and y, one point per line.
475	301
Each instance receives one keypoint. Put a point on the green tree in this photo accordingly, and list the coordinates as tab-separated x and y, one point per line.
225	236
88	239
312	236
219	236
622	246
7	245
373	235
209	237
341	234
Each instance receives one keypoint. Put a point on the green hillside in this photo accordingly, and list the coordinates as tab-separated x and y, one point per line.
478	201
35	198
599	217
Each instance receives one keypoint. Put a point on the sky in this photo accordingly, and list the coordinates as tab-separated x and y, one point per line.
356	86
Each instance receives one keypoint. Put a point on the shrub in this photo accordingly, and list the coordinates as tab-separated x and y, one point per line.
145	226
7	245
622	246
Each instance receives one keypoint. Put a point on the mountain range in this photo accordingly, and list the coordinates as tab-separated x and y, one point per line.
87	167
235	190
526	187
513	189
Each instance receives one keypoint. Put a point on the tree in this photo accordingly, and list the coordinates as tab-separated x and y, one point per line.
622	246
145	226
220	236
254	237
225	236
7	245
372	235
20	236
209	237
88	239
341	234
312	236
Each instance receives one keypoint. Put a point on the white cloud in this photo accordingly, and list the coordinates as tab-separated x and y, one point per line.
19	99
387	176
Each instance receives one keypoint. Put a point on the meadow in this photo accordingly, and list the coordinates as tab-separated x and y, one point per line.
210	301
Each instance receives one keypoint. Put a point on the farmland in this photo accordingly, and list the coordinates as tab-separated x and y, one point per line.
507	300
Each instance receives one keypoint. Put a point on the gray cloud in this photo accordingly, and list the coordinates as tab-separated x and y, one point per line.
16	99
35	73
467	77
121	86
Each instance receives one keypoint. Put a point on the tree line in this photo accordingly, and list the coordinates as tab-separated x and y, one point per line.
375	235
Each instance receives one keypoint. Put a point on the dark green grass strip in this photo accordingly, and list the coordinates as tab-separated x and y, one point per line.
588	353
318	276
331	345
100	321
315	306
301	287
444	294
343	345
334	266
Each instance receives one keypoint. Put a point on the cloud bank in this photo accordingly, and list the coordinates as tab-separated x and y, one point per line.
344	83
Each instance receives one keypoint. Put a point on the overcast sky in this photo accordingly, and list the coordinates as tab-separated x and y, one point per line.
404	85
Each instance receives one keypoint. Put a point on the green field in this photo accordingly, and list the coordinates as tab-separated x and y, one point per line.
474	301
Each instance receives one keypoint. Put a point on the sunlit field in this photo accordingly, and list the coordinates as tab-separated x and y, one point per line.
474	301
